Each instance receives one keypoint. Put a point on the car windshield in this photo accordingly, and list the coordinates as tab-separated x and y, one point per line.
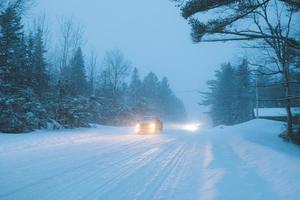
149	119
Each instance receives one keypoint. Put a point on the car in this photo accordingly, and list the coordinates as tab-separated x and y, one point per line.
149	125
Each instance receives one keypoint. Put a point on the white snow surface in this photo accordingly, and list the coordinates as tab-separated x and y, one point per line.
248	161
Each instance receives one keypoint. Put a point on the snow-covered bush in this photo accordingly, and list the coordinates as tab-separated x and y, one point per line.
20	111
94	108
78	112
53	125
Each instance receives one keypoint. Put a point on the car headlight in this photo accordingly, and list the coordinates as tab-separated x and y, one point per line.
152	126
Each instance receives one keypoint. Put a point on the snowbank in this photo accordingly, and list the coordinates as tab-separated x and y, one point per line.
258	150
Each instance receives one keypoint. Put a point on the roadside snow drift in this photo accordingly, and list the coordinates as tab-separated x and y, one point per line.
247	161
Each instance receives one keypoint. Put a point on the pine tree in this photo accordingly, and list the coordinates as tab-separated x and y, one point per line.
231	96
30	60
135	95
77	74
20	110
135	86
104	92
150	94
165	98
91	82
165	89
150	86
245	95
41	76
11	45
172	108
226	95
222	96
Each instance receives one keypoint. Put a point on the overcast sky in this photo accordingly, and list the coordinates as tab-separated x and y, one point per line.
152	34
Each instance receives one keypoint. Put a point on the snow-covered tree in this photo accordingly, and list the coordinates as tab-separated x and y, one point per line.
245	95
41	76
230	95
11	45
78	74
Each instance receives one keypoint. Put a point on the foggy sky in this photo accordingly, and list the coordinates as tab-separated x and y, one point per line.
152	34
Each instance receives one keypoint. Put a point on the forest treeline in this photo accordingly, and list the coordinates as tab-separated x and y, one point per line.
271	28
67	89
236	91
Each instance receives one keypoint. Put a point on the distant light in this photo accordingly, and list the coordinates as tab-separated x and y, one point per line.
191	127
137	128
152	128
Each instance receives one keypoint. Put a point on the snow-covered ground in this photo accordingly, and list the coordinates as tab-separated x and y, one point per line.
246	161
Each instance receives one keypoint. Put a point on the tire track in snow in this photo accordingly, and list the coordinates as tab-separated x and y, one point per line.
143	168
173	168
57	159
168	162
151	176
185	177
82	166
112	172
123	171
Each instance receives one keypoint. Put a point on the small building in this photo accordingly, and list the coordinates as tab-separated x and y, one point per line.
279	114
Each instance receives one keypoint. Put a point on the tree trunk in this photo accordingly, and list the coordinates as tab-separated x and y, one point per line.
289	118
289	101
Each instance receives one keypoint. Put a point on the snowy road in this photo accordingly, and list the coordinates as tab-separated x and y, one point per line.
225	163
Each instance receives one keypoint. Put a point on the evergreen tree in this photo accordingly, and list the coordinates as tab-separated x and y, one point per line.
135	84
222	96
156	98
245	95
108	98
150	86
30	61
20	109
171	107
165	89
135	87
230	96
11	45
150	94
165	97
77	74
135	95
226	95
41	76
91	82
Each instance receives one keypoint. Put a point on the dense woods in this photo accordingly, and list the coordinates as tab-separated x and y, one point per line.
271	27
67	89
